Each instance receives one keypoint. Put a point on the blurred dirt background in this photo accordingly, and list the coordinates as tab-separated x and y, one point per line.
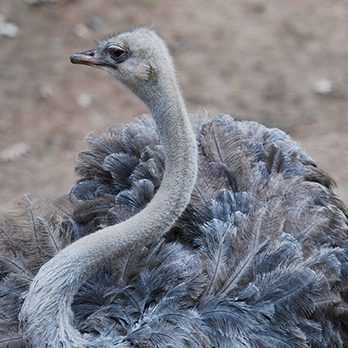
283	63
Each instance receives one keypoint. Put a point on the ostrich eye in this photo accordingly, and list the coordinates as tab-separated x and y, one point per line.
117	53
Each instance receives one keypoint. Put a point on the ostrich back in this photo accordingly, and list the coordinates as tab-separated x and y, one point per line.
258	259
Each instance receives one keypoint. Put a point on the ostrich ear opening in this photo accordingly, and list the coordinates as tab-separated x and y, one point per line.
146	71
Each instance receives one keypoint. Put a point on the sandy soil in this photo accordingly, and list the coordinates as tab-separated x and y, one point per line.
283	63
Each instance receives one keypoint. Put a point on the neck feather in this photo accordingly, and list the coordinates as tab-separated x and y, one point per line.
46	315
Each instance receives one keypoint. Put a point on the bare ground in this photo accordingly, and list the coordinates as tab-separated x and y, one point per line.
254	59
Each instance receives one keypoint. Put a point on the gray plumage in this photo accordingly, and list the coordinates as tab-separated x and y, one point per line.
258	258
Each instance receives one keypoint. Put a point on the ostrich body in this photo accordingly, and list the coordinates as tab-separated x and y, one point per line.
251	252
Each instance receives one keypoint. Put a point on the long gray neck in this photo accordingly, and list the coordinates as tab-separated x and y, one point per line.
46	316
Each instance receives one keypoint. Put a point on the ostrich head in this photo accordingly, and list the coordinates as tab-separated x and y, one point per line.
138	58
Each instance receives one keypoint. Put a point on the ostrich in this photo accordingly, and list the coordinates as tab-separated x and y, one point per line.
222	233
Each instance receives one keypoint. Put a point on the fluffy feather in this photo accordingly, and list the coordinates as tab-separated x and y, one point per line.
258	259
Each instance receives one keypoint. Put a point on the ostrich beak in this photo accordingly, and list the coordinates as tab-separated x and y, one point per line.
90	57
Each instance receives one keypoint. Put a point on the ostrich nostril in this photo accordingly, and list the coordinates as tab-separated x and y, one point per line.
89	57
